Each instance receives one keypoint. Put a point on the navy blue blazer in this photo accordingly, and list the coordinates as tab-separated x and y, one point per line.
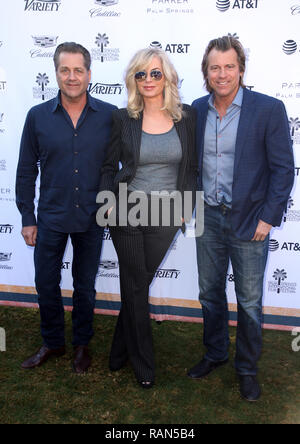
264	164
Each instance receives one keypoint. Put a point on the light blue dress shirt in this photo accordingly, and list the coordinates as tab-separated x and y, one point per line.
219	150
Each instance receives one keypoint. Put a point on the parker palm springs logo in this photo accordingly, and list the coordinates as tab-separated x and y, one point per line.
103	53
44	5
42	91
295	127
280	283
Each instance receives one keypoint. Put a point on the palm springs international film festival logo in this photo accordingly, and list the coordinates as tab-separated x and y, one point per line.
104	9
42	91
1	123
290	214
44	5
224	5
280	283
2	165
295	127
104	53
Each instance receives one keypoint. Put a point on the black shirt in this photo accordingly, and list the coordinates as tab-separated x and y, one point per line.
70	163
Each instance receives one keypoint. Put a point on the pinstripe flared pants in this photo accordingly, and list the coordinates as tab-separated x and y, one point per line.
140	251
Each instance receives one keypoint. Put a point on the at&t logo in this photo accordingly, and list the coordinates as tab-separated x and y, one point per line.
224	5
289	47
172	48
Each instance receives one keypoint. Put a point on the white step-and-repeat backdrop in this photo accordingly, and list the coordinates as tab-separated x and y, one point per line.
112	30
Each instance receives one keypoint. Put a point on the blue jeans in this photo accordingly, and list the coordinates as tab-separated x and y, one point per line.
48	258
248	258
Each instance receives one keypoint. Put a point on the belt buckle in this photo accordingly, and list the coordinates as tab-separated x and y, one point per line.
224	209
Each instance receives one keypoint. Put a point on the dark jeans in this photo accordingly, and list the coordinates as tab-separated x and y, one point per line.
48	258
214	249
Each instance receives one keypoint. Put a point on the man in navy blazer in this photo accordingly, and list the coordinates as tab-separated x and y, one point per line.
246	173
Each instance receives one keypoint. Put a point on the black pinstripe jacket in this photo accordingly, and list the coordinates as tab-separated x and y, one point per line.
125	145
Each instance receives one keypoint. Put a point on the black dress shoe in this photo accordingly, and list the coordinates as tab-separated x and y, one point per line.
249	387
203	368
82	359
41	356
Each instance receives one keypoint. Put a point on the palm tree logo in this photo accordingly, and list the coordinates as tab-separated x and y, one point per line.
289	205
102	41
294	125
279	275
42	80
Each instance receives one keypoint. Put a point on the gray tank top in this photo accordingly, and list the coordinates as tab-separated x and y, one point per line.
158	167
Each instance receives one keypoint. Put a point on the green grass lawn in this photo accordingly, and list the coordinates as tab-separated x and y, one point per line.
53	394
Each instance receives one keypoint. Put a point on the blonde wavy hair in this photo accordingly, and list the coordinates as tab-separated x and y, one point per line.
139	62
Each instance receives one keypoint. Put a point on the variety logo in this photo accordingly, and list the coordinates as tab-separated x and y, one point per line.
280	283
105	88
165	273
6	228
103	53
104	11
3	85
45	5
106	234
295	127
225	5
289	47
42	92
172	48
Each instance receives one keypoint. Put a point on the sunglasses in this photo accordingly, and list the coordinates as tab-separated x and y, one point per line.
142	75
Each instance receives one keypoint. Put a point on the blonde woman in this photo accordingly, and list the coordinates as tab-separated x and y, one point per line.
154	139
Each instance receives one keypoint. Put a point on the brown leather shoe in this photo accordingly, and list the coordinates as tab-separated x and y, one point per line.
41	356
82	359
